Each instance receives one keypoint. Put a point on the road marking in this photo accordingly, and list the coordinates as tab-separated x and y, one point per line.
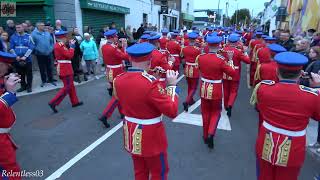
57	174
196	119
180	78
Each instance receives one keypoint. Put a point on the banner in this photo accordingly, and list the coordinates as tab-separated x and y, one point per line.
8	9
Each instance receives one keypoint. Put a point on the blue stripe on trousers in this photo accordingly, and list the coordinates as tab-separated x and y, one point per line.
163	166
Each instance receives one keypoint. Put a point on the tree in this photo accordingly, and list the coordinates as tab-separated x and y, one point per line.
241	16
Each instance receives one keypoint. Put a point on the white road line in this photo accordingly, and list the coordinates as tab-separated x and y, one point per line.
57	174
180	78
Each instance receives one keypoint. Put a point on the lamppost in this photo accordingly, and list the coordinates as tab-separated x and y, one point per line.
237	13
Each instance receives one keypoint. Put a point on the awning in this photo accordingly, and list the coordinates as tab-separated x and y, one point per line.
89	4
33	2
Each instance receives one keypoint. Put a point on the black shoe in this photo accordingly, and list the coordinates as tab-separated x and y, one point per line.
85	78
54	80
78	104
121	116
185	106
211	142
110	91
205	140
103	119
53	83
42	84
21	89
77	79
29	90
192	102
53	107
229	109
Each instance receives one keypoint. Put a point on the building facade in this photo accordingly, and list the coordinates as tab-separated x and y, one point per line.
187	17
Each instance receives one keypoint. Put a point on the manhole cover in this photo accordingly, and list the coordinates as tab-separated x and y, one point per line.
47	122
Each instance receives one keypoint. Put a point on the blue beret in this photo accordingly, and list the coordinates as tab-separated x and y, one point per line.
210	29
268	38
147	32
165	31
291	59
174	34
140	49
153	33
7	57
234	38
176	31
60	33
276	48
214	34
193	35
239	32
196	31
259	33
154	37
219	27
110	32
264	36
145	36
214	39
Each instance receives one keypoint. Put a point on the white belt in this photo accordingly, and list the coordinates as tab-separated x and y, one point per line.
162	79
236	67
144	121
191	64
284	131
211	81
64	61
4	130
114	66
175	55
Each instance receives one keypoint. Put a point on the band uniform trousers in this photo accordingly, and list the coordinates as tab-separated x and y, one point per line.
267	171
26	74
157	166
8	161
230	92
253	68
211	112
67	89
112	105
192	88
45	67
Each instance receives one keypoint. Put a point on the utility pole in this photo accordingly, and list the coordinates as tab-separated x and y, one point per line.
237	14
218	11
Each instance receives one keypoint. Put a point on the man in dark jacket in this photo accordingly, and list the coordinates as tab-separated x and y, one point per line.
140	31
285	40
10	29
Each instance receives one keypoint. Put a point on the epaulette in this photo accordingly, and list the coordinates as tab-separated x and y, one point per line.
220	56
148	76
309	90
268	82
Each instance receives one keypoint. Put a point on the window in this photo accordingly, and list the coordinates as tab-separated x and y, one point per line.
145	18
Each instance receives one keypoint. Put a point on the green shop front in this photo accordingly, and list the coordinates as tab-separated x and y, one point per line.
97	15
33	10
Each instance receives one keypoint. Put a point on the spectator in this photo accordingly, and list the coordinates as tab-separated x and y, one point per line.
30	26
59	26
122	34
315	40
43	51
22	45
302	47
285	40
5	41
90	53
10	29
113	25
310	33
129	34
140	31
312	66
135	34
77	54
89	30
1	30
25	28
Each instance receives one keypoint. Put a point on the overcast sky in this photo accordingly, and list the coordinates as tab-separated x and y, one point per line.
255	5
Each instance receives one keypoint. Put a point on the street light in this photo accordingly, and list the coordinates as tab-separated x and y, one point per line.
236	13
